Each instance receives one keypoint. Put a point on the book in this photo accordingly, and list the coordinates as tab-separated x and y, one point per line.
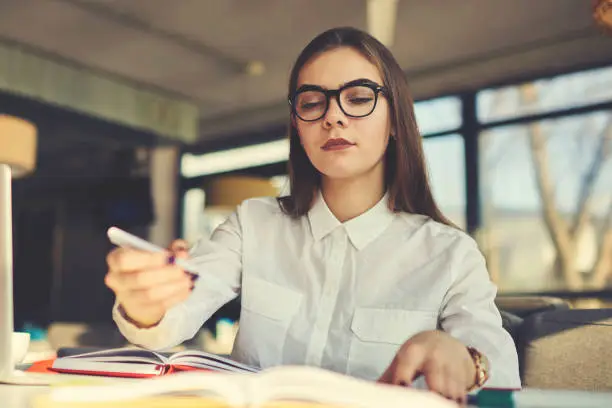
141	363
276	386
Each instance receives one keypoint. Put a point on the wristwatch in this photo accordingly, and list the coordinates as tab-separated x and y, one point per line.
482	368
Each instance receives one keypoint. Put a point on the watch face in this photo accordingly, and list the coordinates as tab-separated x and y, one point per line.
482	376
482	370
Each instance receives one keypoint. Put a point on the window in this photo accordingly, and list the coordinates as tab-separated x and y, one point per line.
234	159
546	190
565	91
193	210
446	164
438	115
444	154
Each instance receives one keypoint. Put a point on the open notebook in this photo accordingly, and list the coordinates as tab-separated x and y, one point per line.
137	362
208	389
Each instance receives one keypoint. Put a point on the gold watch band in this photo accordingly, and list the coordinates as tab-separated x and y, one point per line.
482	369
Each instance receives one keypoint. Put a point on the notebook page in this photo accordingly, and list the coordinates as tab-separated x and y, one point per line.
226	386
123	355
318	385
202	359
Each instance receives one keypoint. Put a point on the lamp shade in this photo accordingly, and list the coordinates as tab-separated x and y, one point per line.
17	144
230	191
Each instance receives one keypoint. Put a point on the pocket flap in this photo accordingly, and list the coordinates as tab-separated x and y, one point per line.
393	326
270	299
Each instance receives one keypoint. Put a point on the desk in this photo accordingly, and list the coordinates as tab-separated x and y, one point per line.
19	396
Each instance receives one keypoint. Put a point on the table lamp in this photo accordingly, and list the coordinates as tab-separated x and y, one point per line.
17	158
225	193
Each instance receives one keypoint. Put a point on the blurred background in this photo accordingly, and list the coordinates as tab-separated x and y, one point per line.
159	116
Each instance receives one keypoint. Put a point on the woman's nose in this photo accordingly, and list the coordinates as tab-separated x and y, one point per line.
334	115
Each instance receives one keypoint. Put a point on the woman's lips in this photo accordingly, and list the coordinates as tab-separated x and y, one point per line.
337	144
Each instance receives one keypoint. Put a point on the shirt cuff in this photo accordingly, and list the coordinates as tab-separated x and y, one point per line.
157	337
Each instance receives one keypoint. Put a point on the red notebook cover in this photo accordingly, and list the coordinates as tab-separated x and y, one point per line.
44	366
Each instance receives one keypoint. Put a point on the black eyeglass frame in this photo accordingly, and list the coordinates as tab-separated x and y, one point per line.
376	88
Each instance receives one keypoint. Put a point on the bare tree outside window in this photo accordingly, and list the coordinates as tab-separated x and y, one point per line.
547	186
565	233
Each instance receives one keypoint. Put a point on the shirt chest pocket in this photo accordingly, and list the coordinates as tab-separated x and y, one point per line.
267	312
377	335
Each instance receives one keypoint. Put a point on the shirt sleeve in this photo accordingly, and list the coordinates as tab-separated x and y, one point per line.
219	263
470	315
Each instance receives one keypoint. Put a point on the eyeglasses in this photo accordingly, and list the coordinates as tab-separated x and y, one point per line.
356	99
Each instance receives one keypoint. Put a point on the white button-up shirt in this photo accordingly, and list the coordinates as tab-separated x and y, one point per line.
342	296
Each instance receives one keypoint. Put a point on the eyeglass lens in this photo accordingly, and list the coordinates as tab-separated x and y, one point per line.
356	101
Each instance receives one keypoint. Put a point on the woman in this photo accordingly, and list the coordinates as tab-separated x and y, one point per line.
356	271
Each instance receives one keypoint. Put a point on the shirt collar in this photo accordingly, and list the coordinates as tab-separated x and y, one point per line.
361	230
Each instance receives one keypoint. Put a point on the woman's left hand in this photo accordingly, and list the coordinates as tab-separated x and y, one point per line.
444	361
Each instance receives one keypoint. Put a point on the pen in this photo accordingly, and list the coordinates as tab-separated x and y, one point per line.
126	240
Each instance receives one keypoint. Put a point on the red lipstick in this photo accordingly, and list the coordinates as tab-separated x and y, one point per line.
337	144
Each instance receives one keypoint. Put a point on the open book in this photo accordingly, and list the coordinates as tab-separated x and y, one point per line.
137	362
283	383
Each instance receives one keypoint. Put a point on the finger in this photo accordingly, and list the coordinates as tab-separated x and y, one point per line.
459	393
145	278
177	255
127	260
147	316
158	294
154	292
387	376
436	381
175	299
444	383
410	363
177	251
181	254
456	383
453	390
179	245
161	307
451	378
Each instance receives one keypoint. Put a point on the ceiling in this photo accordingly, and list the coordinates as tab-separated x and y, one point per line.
198	49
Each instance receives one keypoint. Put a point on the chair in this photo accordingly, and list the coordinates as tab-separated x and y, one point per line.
511	323
523	306
567	349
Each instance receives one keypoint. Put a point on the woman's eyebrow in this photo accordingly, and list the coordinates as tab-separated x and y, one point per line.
360	81
354	82
309	87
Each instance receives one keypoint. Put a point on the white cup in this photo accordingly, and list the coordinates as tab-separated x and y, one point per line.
21	343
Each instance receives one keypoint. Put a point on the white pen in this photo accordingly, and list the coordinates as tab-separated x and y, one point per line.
124	239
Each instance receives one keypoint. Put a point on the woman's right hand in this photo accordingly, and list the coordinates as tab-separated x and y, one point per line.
148	284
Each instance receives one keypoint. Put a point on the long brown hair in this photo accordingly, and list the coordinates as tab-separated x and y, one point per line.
405	170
